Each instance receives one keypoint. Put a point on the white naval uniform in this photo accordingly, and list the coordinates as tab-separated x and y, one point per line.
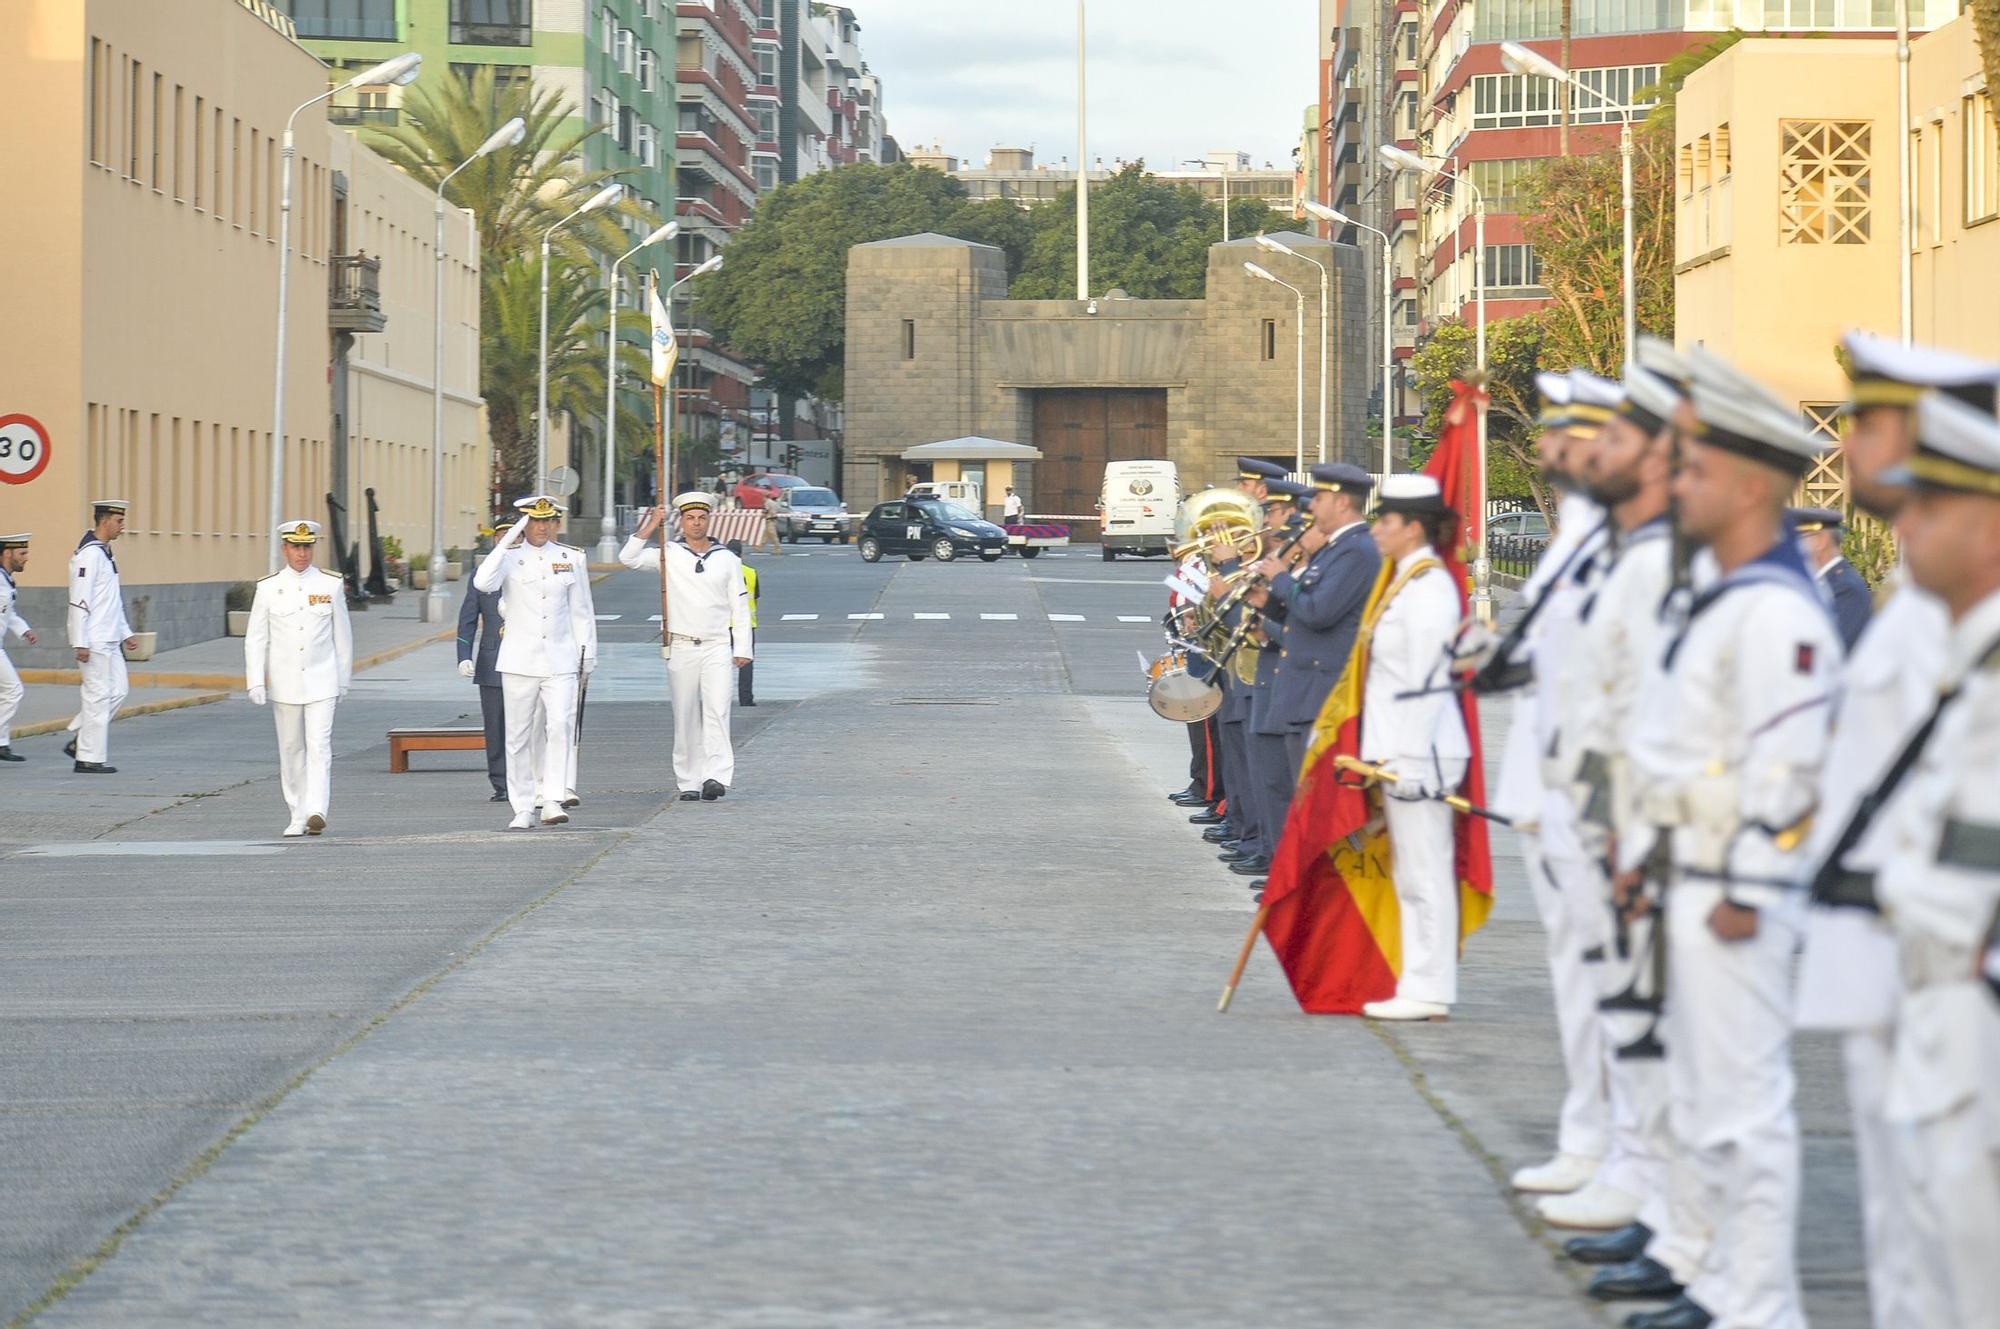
97	624
1423	740
1726	752
12	623
1940	885
300	649
708	618
1847	979
548	641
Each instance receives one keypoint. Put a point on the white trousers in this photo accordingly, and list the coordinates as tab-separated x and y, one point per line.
1735	1171
1953	1163
11	693
305	756
104	689
541	727
1567	899
1420	861
1895	1225
702	680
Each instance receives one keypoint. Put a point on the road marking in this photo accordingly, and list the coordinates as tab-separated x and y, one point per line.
654	619
1066	618
799	618
1148	586
930	616
152	849
864	616
609	618
1135	618
1000	618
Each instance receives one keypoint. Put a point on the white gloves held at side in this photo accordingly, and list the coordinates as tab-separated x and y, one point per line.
466	669
258	696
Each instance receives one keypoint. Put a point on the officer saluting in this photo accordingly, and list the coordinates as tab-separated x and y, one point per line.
549	645
13	557
97	630
708	606
299	656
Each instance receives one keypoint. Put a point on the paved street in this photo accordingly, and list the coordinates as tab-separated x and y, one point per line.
916	1027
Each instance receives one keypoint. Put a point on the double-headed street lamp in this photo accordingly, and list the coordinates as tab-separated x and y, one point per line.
1521	60
607	544
601	199
1339	218
1300	388
399	69
435	605
1277	246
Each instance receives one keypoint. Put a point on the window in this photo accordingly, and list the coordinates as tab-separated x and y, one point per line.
604	108
1935	201
134	75
1267	340
200	144
767	123
1528	20
767	65
767	174
1823	182
343	20
625	50
1407	39
1501	182
909	339
648	68
607	27
649	146
506	78
628	129
1512	267
645	8
1982	159
492	22
180	139
1517	101
1823	418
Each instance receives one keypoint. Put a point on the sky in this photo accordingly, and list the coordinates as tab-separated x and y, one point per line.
1169	79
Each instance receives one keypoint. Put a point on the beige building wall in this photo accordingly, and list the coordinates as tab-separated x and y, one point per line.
1956	155
148	136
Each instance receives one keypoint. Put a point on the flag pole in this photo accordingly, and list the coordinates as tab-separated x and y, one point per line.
1243	958
663	479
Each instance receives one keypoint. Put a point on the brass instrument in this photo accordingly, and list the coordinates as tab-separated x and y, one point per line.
1218	526
1221	525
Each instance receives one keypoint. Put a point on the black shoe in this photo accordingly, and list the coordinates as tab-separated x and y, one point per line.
746	703
1627	1243
7	754
568	803
499	796
1217	834
95	768
1251	867
1185	797
1206	819
712	790
690	795
1680	1313
1257	895
1643	1279
69	748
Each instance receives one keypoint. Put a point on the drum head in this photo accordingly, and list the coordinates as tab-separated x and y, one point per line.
1175	695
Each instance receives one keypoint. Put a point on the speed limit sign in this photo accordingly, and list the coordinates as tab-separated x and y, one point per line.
24	448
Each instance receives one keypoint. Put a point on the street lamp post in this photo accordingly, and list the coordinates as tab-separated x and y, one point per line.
1277	246
399	69
602	198
1299	389
710	264
607	544
1339	218
435	605
1203	162
1405	160
1521	60
1082	174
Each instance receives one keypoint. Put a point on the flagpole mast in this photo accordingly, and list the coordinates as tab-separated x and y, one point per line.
662	404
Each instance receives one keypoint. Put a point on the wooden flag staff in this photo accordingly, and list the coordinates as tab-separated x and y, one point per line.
1243	958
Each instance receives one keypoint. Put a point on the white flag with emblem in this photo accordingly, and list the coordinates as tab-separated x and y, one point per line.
666	351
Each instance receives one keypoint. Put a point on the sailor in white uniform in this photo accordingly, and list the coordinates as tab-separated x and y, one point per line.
707	637
549	645
98	632
1421	738
13	558
298	655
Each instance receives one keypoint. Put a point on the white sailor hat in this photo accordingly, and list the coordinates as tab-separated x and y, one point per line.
1555	392
14	541
1657	356
1650	400
694	498
1410	494
1737	417
1705	366
539	506
1887	373
299	532
1592	397
1958	449
110	504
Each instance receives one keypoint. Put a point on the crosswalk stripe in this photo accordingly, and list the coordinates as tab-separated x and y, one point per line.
1135	618
864	616
654	619
1000	618
609	618
799	618
1066	618
930	616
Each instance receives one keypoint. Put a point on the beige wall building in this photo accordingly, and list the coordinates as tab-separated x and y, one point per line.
1788	201
148	137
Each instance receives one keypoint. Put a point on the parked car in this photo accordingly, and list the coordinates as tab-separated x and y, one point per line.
809	510
1524	522
929	528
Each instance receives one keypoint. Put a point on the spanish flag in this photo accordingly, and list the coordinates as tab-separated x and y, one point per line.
1330	902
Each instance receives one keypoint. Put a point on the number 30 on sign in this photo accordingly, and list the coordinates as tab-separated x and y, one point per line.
24	449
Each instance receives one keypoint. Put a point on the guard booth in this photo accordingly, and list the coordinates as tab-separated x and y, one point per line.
988	462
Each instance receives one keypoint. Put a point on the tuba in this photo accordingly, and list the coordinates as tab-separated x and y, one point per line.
1221	525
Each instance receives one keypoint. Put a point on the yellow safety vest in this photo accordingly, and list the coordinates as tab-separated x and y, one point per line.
750	582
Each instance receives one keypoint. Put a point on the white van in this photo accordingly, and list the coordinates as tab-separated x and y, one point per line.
1137	507
964	492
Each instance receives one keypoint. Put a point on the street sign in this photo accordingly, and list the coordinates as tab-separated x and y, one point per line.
24	449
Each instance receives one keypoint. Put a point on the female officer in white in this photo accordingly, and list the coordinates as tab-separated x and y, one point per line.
549	644
708	608
1422	739
298	654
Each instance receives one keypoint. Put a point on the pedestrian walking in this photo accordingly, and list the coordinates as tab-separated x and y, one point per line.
548	649
98	633
707	627
13	558
298	656
1010	508
745	694
479	628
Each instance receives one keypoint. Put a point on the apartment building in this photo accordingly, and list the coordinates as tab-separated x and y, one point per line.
1013	173
149	138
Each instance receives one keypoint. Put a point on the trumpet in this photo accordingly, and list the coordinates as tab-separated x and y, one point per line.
1248	581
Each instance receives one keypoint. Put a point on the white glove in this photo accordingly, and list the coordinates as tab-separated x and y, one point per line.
1407	788
258	696
341	695
466	669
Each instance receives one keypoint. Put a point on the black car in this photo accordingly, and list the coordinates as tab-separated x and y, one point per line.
929	528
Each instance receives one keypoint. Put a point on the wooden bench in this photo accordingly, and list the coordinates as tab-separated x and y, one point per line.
402	742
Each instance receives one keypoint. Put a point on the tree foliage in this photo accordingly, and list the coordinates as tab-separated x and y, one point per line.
1513	350
1986	26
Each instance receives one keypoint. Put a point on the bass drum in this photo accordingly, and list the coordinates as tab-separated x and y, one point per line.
1175	694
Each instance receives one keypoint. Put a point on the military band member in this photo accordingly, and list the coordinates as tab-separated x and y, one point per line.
478	656
1249	842
1421	738
298	655
1819	541
98	632
13	558
1266	760
549	646
708	609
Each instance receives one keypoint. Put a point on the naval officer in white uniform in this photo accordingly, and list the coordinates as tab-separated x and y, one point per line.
708	632
98	632
549	645
13	557
298	655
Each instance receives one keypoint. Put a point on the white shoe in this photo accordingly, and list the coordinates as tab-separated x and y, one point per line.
295	830
1597	1208
1559	1176
523	821
1406	1008
554	816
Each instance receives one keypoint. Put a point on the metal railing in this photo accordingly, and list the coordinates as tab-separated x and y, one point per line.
364	115
467	33
1515	555
354	296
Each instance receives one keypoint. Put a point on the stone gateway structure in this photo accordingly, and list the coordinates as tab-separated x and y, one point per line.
936	350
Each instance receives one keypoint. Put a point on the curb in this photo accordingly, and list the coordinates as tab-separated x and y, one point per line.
230	682
127	712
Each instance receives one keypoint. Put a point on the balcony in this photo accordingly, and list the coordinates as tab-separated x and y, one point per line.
354	297
379	116
467	33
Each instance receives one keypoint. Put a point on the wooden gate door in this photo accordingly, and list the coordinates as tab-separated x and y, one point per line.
1080	429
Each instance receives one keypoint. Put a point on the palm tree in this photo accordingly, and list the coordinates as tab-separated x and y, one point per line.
1986	23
